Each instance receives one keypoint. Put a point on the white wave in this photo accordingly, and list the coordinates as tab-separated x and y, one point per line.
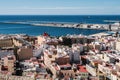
111	21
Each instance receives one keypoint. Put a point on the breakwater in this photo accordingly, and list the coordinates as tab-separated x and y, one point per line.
111	27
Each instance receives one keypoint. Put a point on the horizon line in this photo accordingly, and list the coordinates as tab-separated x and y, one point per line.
57	14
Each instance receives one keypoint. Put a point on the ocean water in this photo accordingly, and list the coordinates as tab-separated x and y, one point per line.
54	31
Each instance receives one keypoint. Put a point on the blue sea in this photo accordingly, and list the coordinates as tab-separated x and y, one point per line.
6	28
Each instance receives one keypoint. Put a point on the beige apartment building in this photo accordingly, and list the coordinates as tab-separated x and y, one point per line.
8	63
6	43
25	53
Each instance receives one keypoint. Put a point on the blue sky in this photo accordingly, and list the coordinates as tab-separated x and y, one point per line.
59	7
